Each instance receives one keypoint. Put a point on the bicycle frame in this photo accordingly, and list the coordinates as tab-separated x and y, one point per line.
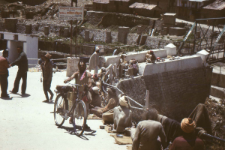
66	100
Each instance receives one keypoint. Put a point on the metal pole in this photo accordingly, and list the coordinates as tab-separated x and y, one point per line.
71	32
147	99
76	32
211	47
195	37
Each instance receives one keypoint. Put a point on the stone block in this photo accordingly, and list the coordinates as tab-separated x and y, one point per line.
178	31
86	36
10	24
169	18
5	14
30	15
66	32
61	31
203	54
108	37
28	29
122	34
139	29
72	65
88	50
143	39
46	30
171	49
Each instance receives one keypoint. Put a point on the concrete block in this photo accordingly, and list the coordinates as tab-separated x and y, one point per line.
72	65
217	92
86	36
203	54
122	34
108	37
61	31
169	18
178	31
171	49
184	63
139	29
10	24
165	30
46	30
143	39
88	50
140	56
28	29
66	32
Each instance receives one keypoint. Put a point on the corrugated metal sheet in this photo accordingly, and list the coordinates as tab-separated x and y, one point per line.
142	6
101	1
120	0
107	1
216	5
199	1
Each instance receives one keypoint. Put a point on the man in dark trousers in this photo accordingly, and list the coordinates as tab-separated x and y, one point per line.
22	64
47	77
4	65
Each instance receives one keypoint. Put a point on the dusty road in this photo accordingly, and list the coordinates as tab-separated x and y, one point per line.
26	123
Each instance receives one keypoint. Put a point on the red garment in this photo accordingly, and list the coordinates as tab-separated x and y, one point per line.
181	143
3	65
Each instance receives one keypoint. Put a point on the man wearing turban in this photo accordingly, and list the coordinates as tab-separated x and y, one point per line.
188	140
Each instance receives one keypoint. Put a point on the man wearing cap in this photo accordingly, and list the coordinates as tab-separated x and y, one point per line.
4	74
22	64
47	77
188	140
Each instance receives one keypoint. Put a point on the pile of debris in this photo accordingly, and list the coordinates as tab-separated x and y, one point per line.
216	111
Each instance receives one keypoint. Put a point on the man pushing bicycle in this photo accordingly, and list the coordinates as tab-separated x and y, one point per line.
82	77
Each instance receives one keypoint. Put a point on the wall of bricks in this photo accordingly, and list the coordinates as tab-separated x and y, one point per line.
174	94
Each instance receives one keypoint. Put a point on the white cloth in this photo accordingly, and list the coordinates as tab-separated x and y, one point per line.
93	61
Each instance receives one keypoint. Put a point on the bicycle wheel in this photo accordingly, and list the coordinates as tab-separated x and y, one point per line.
59	110
79	117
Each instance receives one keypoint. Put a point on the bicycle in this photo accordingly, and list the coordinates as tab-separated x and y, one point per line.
77	109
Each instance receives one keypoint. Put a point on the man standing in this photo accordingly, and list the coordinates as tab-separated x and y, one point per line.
94	61
82	77
47	77
4	74
22	64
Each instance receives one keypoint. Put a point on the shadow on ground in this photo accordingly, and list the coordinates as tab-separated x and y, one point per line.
71	131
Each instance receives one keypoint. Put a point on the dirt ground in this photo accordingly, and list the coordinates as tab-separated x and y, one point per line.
26	123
